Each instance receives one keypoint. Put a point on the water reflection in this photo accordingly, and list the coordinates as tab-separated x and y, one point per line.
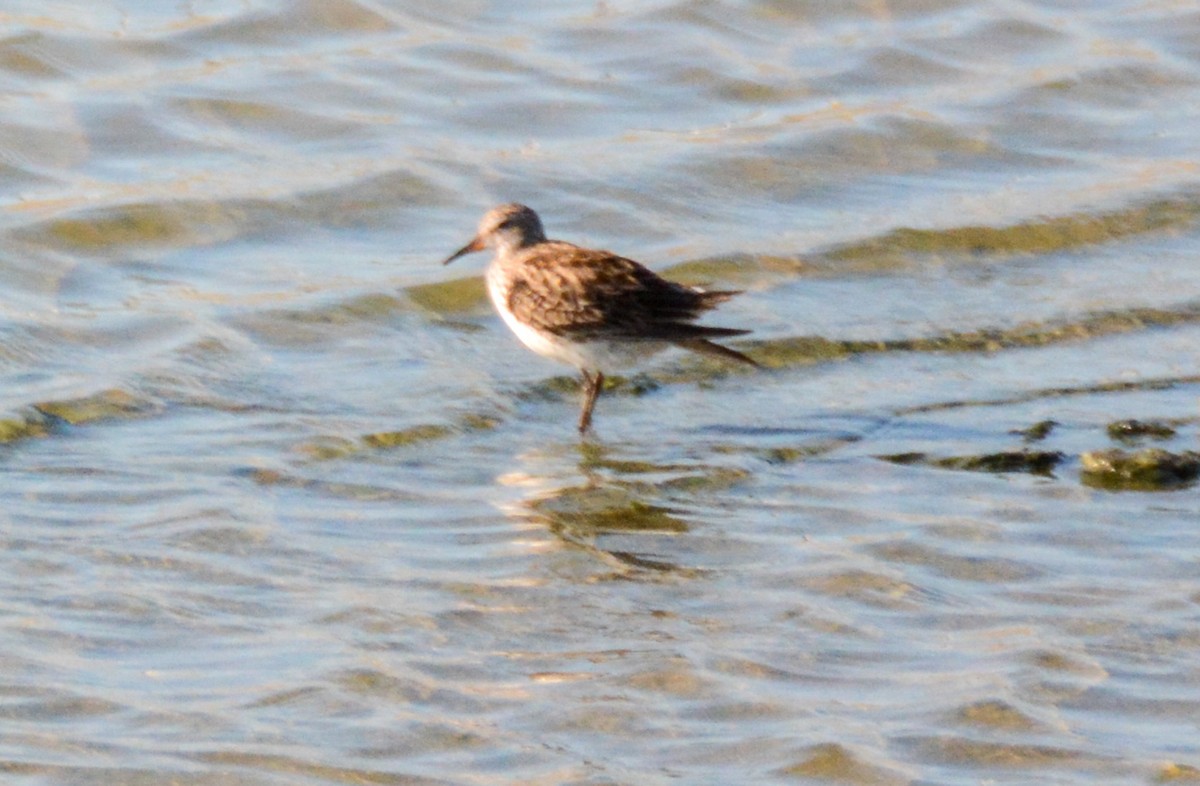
620	511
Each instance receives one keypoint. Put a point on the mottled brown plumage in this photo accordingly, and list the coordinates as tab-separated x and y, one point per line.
588	307
588	294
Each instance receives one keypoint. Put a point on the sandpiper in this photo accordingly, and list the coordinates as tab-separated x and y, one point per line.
592	309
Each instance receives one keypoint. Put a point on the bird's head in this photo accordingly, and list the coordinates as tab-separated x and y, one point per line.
505	228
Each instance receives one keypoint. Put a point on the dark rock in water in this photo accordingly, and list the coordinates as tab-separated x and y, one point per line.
1152	469
1037	462
1130	431
1038	431
915	457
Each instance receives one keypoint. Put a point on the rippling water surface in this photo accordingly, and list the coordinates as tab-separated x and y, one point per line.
284	503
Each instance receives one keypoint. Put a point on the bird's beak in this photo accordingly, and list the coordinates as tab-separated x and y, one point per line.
475	245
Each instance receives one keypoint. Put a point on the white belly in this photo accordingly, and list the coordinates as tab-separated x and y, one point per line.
589	355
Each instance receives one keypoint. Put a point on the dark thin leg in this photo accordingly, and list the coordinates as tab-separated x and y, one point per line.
591	391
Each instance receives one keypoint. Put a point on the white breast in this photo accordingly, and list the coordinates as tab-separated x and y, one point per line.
590	355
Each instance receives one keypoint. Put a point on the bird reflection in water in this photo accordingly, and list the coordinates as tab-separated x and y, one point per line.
617	513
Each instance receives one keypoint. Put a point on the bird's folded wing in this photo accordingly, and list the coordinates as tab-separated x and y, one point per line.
584	293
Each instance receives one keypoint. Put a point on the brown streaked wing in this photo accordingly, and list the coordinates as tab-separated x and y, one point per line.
568	290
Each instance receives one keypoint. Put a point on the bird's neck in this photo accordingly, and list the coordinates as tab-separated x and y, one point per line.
507	246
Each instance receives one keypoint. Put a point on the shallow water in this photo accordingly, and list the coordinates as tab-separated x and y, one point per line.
284	503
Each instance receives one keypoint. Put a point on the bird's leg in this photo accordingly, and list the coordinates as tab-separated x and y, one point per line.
591	390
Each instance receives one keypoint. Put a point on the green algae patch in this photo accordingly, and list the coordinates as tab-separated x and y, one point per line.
864	586
555	388
1034	462
715	479
326	448
458	296
1038	334
1035	237
105	405
988	570
996	714
335	447
14	429
1124	386
1133	431
790	454
636	516
593	456
1151	469
408	436
370	307
161	224
637	385
607	509
134	226
476	421
685	479
268	477
558	387
834	763
40	419
736	269
962	751
355	491
807	350
1177	773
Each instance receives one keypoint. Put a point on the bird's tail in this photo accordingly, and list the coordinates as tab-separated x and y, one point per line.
713	349
713	299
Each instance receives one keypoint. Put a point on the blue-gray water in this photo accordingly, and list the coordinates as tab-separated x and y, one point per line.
283	502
